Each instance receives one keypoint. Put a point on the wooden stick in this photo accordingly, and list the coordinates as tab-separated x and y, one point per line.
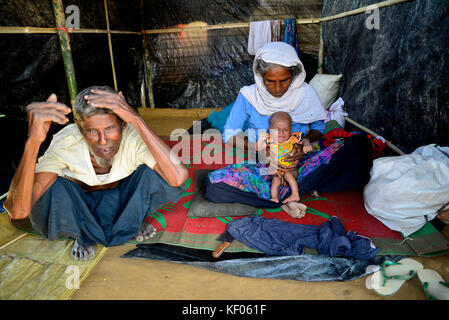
143	100
147	64
64	42
111	54
389	144
363	9
32	30
13	240
220	26
210	27
321	51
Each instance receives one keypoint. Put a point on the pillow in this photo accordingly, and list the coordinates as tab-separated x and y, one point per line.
201	207
327	86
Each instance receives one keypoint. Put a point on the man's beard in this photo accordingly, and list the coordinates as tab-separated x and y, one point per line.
102	162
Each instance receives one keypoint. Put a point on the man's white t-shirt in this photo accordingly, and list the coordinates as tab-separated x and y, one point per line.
68	156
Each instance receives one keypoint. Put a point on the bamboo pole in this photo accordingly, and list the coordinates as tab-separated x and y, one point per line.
381	4
321	51
32	30
389	144
13	240
220	26
111	54
143	100
147	64
64	42
363	9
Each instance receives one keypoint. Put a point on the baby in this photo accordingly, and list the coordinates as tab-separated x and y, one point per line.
282	122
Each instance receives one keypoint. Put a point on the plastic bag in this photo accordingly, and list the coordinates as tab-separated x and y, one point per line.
405	192
336	112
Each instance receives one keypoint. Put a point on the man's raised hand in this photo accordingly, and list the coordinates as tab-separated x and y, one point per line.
113	101
42	114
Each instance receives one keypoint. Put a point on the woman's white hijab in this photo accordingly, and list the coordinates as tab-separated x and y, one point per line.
301	101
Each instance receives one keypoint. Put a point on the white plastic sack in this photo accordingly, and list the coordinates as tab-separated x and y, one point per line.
405	192
336	112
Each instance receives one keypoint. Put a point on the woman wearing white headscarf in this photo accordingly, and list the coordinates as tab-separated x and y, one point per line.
279	86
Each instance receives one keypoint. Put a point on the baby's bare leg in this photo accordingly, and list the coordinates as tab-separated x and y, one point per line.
293	207
289	176
275	183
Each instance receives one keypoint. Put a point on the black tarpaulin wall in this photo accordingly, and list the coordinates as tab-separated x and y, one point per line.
189	69
31	65
395	78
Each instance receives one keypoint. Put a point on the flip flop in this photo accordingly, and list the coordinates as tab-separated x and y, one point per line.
392	275
433	284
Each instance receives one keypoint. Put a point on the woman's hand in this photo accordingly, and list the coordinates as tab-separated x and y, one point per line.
294	156
306	146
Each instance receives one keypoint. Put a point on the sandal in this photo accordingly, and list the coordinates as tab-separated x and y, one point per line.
392	275
433	284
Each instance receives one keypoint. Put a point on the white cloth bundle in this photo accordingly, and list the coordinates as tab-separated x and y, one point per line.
404	192
336	112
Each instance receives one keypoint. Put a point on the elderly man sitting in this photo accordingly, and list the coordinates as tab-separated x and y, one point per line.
99	178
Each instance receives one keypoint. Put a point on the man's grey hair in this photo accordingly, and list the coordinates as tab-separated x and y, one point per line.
83	110
262	67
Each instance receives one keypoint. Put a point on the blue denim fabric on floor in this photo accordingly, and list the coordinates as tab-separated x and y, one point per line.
109	217
277	238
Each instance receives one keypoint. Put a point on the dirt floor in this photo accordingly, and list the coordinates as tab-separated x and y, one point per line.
123	278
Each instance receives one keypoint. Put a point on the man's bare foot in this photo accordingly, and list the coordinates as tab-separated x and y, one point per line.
274	200
83	253
146	232
291	198
295	209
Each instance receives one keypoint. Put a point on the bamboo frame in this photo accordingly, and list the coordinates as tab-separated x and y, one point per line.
63	34
111	53
321	51
147	64
13	240
33	30
64	42
381	4
392	146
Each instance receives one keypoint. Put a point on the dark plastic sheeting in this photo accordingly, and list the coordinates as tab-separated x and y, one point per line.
189	70
307	267
395	77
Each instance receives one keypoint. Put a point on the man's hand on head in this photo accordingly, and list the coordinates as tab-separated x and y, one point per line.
113	101
42	114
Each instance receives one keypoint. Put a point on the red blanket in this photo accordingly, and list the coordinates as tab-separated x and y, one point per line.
176	228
